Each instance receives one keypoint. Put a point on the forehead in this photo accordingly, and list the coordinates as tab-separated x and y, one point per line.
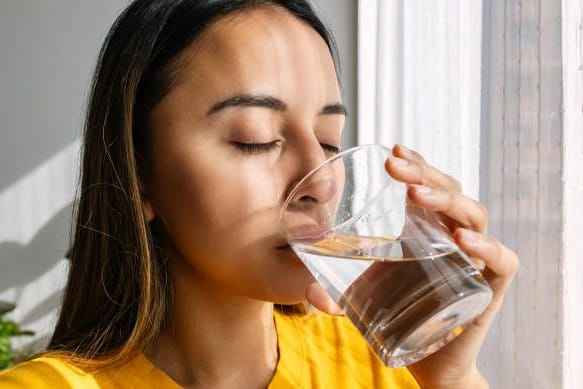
259	50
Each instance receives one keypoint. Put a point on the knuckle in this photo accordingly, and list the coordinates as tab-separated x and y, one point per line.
495	244
453	184
441	179
509	257
416	156
496	248
424	177
514	262
450	201
481	215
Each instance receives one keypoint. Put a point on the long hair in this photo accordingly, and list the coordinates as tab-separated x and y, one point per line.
119	290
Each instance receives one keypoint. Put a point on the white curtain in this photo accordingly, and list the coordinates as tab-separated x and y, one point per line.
492	93
572	177
419	80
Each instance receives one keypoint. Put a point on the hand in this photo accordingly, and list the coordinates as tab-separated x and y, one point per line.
454	366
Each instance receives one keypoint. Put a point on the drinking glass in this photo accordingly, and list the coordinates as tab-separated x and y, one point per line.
391	266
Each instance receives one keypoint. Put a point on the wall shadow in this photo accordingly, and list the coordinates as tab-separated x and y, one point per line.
20	265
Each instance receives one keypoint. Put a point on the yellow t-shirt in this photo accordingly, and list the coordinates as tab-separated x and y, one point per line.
315	351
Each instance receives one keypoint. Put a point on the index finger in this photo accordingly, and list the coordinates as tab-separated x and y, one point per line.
410	167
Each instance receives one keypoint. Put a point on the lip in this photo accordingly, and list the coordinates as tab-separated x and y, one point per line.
279	242
288	254
312	232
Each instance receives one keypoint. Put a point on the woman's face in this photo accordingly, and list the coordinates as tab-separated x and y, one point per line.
256	106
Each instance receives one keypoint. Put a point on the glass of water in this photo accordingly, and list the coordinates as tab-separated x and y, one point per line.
391	266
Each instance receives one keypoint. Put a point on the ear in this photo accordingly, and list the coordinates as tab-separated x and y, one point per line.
147	207
148	210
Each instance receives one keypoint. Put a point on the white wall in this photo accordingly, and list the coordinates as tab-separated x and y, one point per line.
47	53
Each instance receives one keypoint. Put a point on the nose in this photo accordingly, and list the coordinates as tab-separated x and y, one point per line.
305	155
316	183
311	207
318	188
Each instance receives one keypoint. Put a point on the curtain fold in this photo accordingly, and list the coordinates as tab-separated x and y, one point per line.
419	81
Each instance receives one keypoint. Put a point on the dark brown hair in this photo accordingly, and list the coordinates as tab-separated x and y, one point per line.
119	290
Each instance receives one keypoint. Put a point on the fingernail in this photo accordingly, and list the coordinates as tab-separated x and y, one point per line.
480	265
405	149
469	238
399	162
422	190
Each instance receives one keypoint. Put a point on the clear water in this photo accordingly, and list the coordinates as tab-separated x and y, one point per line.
406	300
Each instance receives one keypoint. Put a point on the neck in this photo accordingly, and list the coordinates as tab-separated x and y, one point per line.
216	340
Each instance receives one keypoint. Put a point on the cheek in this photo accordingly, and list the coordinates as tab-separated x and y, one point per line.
238	192
205	199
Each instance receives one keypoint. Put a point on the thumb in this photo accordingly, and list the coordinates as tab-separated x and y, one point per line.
317	296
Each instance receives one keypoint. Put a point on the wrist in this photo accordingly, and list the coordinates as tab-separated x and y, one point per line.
478	381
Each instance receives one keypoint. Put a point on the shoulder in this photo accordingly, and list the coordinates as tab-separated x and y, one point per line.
332	352
46	372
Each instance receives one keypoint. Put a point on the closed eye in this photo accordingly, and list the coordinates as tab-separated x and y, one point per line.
255	148
330	148
258	148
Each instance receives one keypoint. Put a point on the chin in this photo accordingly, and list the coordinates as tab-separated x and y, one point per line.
287	280
291	289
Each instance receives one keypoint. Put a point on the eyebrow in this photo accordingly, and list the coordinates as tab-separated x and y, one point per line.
265	101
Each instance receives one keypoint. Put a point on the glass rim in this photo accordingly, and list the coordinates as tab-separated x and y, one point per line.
333	158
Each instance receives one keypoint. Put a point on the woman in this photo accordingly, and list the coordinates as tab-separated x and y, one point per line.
203	115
